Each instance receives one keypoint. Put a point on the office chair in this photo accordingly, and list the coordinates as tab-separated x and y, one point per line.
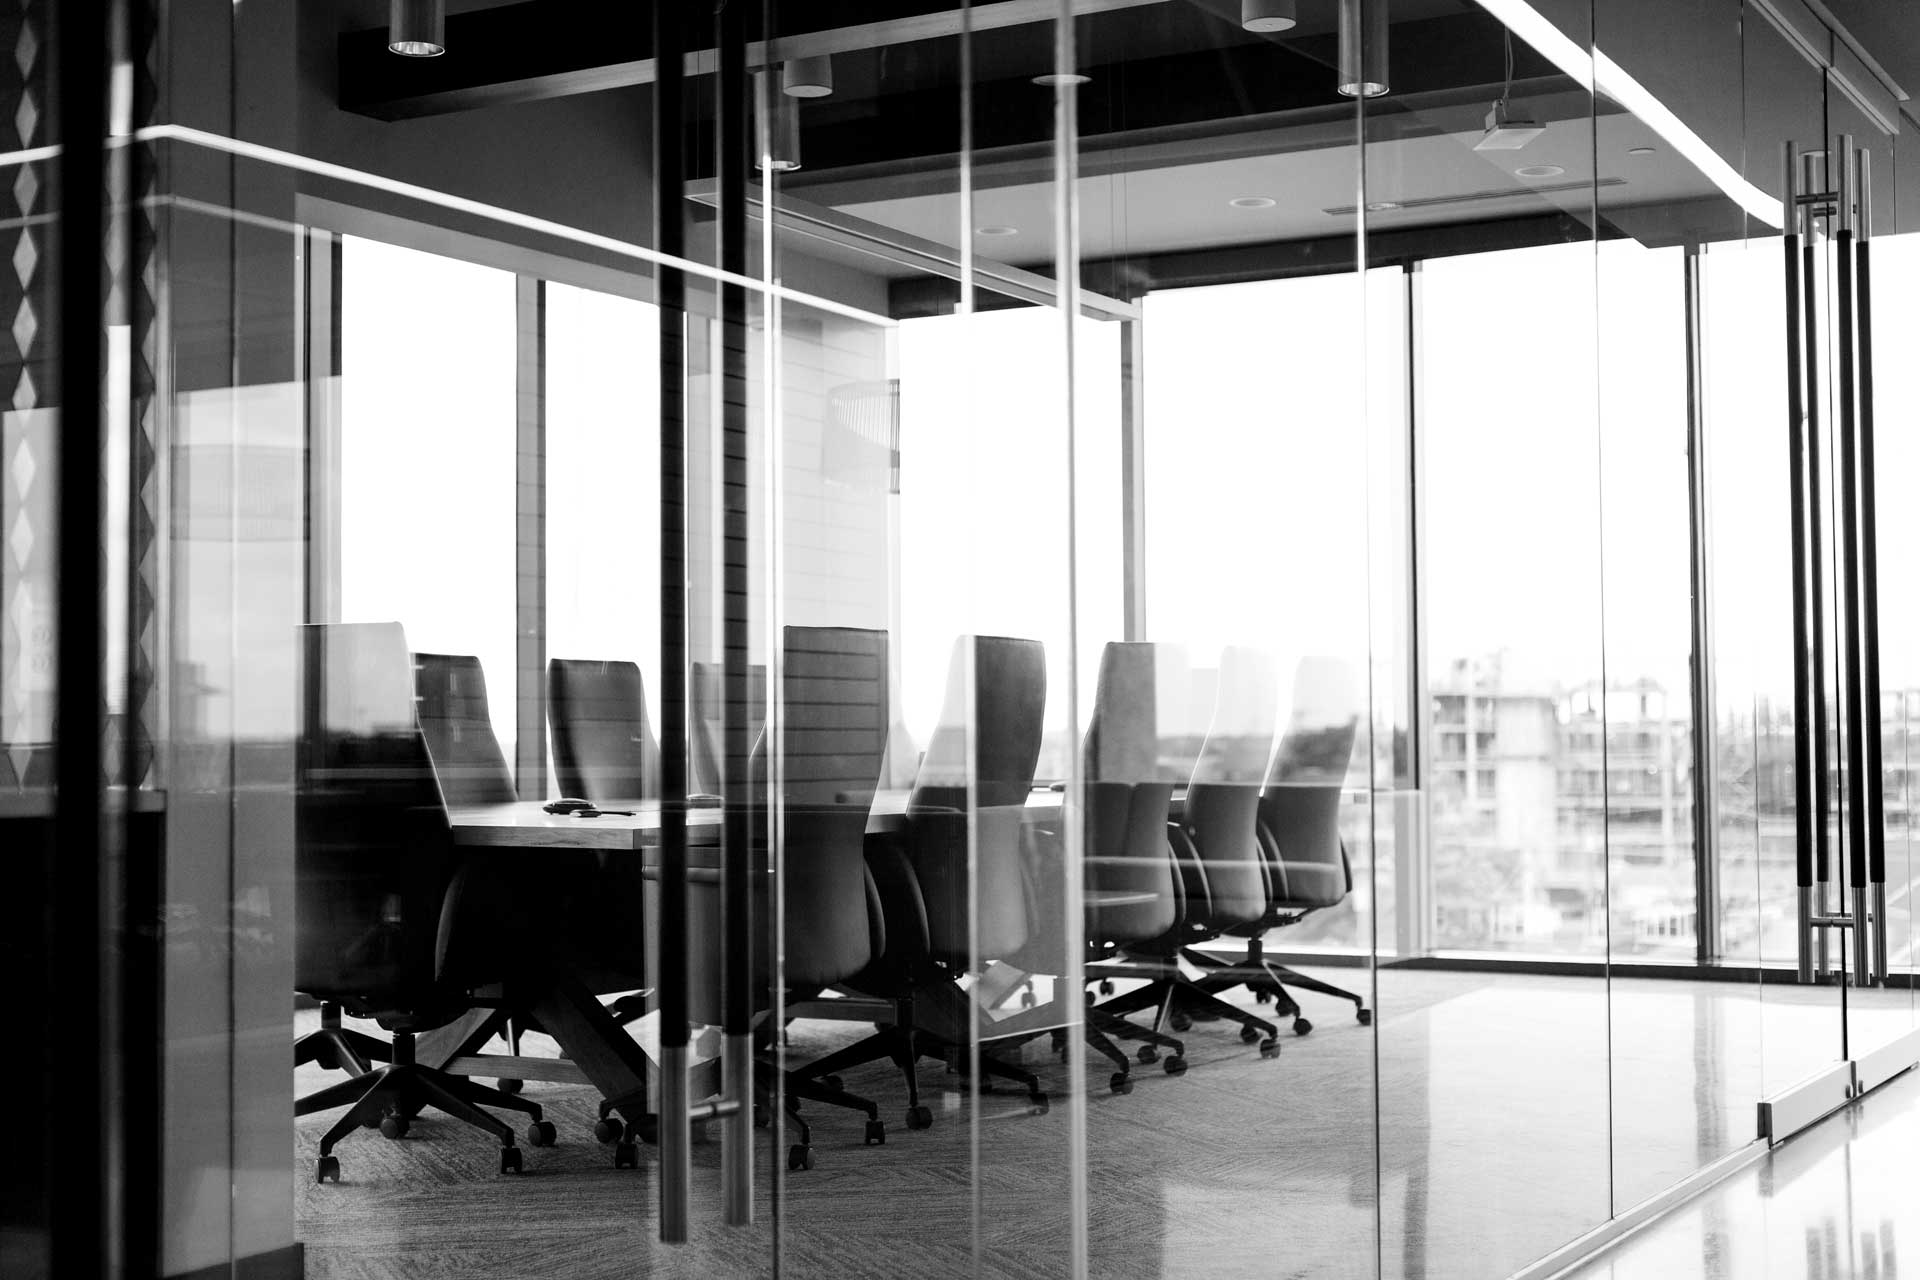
967	805
833	734
393	924
705	705
1306	861
1214	833
604	751
603	747
454	720
1130	767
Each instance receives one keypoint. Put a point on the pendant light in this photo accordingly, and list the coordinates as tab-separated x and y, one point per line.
1268	15
780	151
1363	48
807	77
417	28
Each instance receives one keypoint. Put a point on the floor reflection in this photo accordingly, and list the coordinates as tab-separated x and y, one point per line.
1834	1203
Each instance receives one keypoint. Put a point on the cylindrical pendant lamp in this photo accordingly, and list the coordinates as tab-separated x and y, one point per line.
417	28
1363	48
1268	15
807	77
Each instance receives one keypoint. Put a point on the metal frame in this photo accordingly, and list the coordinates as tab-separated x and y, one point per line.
1705	737
89	1144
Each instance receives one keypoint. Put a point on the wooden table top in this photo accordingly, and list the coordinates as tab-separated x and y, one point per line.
527	825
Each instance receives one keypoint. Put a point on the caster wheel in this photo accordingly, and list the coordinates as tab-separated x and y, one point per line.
626	1155
876	1133
541	1133
393	1126
762	1118
1180	1022
799	1158
1269	1048
1249	1034
610	1129
1263	997
1176	1065
1106	986
1037	1105
510	1160
647	1127
1148	1053
328	1169
1301	1026
834	1083
1121	1082
1365	1016
1089	999
1026	1000
919	1117
509	1086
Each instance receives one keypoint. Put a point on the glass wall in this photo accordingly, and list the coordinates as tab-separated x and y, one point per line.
1001	639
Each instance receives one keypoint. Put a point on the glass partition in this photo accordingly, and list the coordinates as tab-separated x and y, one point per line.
1005	639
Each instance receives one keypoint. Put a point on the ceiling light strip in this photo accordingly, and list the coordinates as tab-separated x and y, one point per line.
1607	78
495	213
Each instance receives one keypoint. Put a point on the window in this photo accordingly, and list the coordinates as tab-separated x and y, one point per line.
427	449
603	481
983	449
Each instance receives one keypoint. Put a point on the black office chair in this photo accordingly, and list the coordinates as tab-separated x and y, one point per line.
603	748
705	707
1306	861
966	807
1216	845
454	720
604	751
833	704
392	923
1130	770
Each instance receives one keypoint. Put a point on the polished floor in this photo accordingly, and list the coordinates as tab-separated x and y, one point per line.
1496	1133
1841	1201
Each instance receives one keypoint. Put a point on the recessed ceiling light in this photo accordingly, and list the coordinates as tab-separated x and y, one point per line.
997	231
1052	79
1538	171
1640	151
1382	206
1252	202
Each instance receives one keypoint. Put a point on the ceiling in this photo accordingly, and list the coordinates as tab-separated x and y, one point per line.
1182	114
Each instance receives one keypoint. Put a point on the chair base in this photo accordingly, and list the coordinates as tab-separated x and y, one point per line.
1177	1001
339	1048
769	1082
905	1043
1266	978
390	1096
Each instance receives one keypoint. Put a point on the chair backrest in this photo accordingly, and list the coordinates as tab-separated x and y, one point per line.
833	731
374	860
603	748
1223	798
991	743
1300	808
453	718
1132	763
706	730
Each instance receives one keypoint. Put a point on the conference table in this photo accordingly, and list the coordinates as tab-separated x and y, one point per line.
595	1048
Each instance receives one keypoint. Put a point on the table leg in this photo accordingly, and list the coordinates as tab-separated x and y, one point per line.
442	1045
